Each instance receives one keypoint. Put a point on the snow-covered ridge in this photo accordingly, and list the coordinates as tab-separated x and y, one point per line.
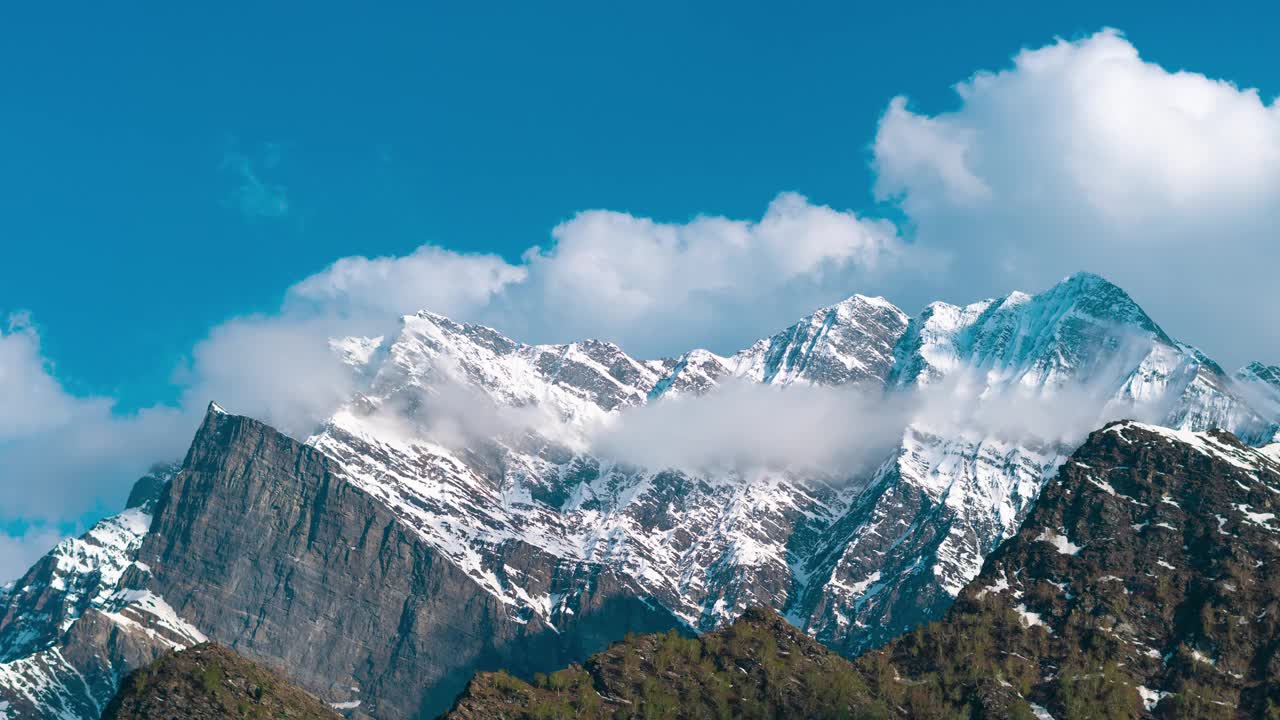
708	544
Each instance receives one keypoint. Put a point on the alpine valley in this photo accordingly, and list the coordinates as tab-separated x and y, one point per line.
479	504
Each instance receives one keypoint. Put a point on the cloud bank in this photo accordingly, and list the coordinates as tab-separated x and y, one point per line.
846	431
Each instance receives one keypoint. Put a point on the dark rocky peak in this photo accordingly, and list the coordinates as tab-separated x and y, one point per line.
1256	371
146	489
1145	572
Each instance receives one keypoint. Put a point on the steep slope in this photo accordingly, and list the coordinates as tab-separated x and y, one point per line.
80	619
1013	385
853	559
1140	585
211	682
1256	371
706	546
1262	384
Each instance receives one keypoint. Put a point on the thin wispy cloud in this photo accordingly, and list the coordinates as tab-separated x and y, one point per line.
255	196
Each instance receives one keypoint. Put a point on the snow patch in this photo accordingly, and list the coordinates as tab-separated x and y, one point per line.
1151	698
1060	542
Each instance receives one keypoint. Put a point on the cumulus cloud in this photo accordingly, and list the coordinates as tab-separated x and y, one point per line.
1084	156
429	278
279	367
658	288
63	457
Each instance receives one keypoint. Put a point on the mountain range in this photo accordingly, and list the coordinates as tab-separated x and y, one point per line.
468	509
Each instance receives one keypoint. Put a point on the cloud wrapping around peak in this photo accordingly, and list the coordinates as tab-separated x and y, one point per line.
1084	156
657	288
17	553
1078	156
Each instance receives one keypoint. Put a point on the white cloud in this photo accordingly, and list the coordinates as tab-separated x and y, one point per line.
429	278
842	431
34	402
1083	156
847	431
17	553
63	457
659	288
279	367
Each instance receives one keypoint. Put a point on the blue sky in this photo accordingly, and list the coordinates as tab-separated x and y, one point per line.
178	183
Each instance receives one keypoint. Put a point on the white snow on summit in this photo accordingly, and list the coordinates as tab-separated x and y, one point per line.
837	553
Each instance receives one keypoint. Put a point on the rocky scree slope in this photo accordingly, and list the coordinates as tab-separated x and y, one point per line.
211	682
1141	585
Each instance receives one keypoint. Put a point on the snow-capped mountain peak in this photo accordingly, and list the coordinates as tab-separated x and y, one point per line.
480	447
851	341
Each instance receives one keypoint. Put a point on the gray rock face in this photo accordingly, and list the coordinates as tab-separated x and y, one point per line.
261	542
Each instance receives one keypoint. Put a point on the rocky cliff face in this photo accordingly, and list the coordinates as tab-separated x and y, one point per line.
264	544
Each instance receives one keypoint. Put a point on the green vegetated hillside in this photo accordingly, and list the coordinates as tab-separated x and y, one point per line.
211	682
